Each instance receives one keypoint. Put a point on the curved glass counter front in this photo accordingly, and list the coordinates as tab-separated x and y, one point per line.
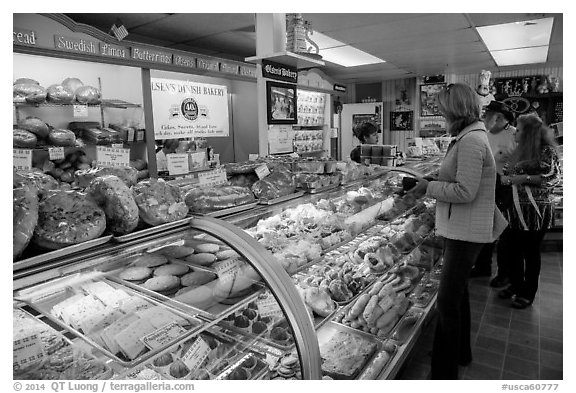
208	302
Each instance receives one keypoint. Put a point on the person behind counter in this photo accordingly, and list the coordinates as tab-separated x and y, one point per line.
533	171
367	133
498	119
169	146
466	216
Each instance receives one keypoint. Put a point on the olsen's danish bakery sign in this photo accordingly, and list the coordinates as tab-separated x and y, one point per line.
184	109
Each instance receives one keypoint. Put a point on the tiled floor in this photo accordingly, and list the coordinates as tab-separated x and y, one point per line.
507	343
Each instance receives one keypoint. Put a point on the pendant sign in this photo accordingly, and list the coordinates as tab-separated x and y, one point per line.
178	163
340	88
109	156
80	110
279	72
196	354
212	178
56	153
22	159
163	336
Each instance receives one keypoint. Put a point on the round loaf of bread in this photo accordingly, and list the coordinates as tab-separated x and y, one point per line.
110	193
137	273
35	126
171	269
163	284
62	137
159	202
176	251
149	260
24	139
203	259
197	278
207	247
66	218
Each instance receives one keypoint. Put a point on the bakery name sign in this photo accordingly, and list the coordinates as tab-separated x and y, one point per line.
279	72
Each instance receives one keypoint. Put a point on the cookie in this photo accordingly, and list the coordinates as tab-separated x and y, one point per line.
149	260
176	251
226	254
197	278
184	290
285	372
171	269
162	284
207	247
202	259
135	273
289	361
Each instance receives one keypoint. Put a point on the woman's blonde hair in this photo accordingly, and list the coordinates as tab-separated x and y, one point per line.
460	105
534	136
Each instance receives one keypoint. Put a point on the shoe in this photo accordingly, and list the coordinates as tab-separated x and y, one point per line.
520	302
505	293
499	282
479	273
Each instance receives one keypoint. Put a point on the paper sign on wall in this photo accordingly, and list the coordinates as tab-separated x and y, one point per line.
109	156
56	153
22	159
281	139
185	109
178	163
212	178
253	157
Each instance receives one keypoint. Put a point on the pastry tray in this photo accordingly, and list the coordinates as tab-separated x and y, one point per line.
228	211
259	369
406	327
152	230
424	291
321	189
58	254
329	329
62	289
281	199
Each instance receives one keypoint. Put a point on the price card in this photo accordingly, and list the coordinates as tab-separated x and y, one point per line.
26	351
262	171
269	307
198	159
163	336
293	155
22	159
80	110
131	134
178	163
227	268
196	354
212	178
253	157
272	356
56	153
110	156
118	145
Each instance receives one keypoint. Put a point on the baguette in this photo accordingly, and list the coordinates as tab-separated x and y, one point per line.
370	307
375	368
359	306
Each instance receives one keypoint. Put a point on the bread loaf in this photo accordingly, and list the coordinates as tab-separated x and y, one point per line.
201	200
20	81
279	183
35	126
24	218
159	202
72	84
62	137
21	91
128	175
66	218
59	94
40	182
87	95
111	194
23	138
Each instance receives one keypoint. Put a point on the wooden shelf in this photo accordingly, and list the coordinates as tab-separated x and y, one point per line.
107	103
287	58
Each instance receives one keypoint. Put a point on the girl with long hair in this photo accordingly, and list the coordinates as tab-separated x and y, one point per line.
533	170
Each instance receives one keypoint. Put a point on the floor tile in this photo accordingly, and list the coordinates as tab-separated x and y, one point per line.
551	360
475	316
498	311
496	320
522	338
522	367
547	344
548	332
524	327
490	344
487	358
555	323
523	352
550	373
507	375
480	371
499	333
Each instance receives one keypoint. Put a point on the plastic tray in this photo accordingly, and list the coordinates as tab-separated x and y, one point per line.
152	230
281	199
405	328
64	290
321	189
228	211
57	254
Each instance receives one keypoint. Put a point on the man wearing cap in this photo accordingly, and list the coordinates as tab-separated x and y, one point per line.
498	119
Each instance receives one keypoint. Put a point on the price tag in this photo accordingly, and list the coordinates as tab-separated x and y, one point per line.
196	354
294	155
262	171
22	159
178	163
80	110
118	145
26	351
56	153
163	336
253	157
198	159
268	307
110	156
131	134
227	268
212	178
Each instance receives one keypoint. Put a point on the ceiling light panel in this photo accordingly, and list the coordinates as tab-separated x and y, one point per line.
348	56
521	56
522	34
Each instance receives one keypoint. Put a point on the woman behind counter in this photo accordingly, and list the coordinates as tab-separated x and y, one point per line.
466	216
532	171
367	133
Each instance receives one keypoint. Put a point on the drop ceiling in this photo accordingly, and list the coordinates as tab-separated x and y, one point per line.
411	44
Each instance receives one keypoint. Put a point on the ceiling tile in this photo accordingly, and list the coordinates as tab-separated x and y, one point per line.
106	20
481	19
331	22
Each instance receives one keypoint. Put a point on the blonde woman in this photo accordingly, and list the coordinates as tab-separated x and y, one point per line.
466	216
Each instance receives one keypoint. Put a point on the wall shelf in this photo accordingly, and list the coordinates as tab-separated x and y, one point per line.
288	58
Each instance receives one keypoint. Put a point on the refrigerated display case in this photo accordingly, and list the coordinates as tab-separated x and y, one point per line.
229	303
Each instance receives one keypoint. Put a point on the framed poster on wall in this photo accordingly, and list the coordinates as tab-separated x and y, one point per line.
281	103
428	105
402	121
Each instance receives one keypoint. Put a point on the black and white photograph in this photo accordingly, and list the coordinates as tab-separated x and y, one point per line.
402	121
281	101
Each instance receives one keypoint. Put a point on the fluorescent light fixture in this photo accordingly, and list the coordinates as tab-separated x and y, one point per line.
521	56
340	53
530	34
